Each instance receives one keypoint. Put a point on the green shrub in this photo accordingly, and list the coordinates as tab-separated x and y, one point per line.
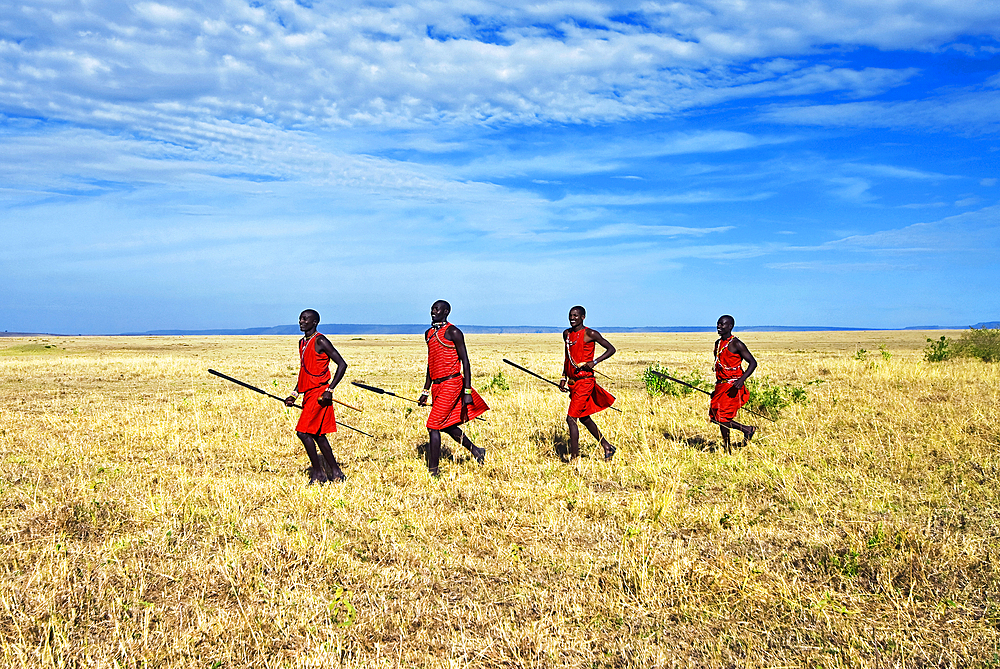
938	351
498	383
770	398
982	343
657	385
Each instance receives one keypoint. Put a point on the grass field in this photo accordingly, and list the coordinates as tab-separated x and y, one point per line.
153	515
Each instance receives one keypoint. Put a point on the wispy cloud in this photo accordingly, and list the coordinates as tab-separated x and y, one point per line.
974	111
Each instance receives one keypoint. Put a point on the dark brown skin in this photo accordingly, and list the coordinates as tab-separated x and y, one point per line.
576	318
439	313
330	469
576	324
308	324
725	328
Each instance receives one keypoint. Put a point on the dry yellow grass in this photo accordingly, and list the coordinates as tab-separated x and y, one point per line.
156	516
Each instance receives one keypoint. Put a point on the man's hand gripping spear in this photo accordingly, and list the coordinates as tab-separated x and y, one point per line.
282	399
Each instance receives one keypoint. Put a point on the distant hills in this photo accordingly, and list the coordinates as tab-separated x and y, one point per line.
418	328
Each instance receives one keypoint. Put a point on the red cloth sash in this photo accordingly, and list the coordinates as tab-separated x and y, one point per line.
728	367
316	419
314	367
446	396
578	351
586	397
314	378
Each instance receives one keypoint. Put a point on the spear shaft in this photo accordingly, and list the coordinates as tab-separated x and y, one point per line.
539	376
702	390
382	391
280	399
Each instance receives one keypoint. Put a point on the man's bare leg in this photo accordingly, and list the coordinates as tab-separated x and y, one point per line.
434	452
456	433
334	473
574	438
747	430
609	450
725	438
317	473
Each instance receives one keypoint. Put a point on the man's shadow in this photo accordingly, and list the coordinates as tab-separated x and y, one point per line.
558	438
446	452
698	442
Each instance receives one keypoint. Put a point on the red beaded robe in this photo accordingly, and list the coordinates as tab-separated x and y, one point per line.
728	368
447	383
585	396
314	379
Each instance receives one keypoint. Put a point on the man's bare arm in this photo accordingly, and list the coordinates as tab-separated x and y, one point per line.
463	355
323	345
741	349
609	349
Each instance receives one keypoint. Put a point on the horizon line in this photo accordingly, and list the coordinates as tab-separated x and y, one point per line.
335	329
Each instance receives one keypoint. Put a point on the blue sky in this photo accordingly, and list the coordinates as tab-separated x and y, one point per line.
226	164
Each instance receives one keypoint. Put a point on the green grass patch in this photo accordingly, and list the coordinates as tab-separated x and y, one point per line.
658	385
32	349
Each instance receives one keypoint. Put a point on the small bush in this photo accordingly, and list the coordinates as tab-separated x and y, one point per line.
938	351
770	398
861	354
886	355
498	383
657	385
982	343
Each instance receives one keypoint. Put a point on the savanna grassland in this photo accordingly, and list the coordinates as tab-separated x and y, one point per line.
153	515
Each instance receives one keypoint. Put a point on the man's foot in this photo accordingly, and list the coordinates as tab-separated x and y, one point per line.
336	477
609	451
317	476
479	453
748	434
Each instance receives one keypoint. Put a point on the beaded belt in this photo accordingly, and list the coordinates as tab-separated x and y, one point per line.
446	378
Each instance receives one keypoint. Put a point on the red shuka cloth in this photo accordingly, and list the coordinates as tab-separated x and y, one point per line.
728	367
446	396
314	378
585	396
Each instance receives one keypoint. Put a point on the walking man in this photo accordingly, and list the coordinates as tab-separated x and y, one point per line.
586	397
730	390
316	387
449	384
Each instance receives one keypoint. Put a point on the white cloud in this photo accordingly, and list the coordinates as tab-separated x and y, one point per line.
973	234
977	110
335	64
828	266
690	197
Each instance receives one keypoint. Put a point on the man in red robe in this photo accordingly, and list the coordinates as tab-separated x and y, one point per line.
449	384
316	387
730	392
585	396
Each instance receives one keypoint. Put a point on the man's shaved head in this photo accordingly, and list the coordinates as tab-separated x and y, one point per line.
583	312
444	304
727	317
311	312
